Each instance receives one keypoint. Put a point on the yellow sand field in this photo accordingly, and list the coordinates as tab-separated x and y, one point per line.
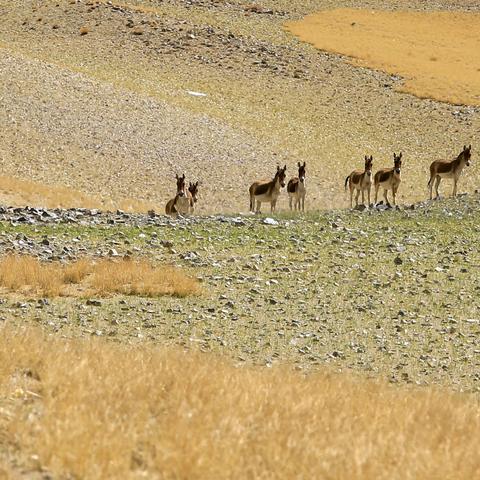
437	53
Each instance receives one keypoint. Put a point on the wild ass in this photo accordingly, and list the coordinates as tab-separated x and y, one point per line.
449	169
296	188
360	181
262	191
180	204
389	178
192	195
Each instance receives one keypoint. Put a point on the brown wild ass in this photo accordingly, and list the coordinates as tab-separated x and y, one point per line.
180	204
389	178
361	182
449	169
296	188
262	191
192	195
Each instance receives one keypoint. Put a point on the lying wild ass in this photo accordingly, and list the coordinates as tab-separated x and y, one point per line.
449	169
262	191
296	188
389	179
180	204
192	195
361	182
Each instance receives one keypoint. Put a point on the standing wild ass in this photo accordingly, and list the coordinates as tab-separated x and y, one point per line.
262	191
296	188
180	204
389	178
360	181
449	169
192	194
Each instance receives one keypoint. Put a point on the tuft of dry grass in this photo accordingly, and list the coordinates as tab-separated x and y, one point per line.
77	271
24	274
91	409
140	277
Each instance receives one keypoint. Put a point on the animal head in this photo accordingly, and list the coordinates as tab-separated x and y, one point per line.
280	175
180	185
397	160
467	154
193	189
368	164
301	171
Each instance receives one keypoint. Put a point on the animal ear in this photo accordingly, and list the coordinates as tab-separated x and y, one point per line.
299	164
366	157
304	164
278	168
196	184
284	168
400	156
184	176
176	176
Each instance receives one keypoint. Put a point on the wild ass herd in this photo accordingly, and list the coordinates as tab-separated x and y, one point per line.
358	181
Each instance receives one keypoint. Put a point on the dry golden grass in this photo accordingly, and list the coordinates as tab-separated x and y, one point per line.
17	192
436	52
90	409
24	274
140	277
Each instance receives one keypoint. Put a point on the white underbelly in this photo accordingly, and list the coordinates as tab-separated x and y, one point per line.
182	205
264	197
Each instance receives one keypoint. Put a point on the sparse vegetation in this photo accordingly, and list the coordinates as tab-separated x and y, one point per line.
88	409
24	274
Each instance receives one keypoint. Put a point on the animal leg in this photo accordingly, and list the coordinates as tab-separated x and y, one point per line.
351	197
290	201
455	179
394	194
303	203
437	183
356	198
369	197
385	192
377	186
363	197
430	186
259	204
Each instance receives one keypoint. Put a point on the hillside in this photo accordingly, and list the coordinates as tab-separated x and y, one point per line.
108	113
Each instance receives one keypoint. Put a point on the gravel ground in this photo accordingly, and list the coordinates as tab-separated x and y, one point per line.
390	294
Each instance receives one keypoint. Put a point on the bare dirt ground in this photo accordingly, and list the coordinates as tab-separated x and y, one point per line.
108	113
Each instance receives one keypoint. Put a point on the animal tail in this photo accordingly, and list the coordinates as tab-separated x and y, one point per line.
430	181
346	182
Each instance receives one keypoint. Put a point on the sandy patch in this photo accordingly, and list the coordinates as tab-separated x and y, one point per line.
437	53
